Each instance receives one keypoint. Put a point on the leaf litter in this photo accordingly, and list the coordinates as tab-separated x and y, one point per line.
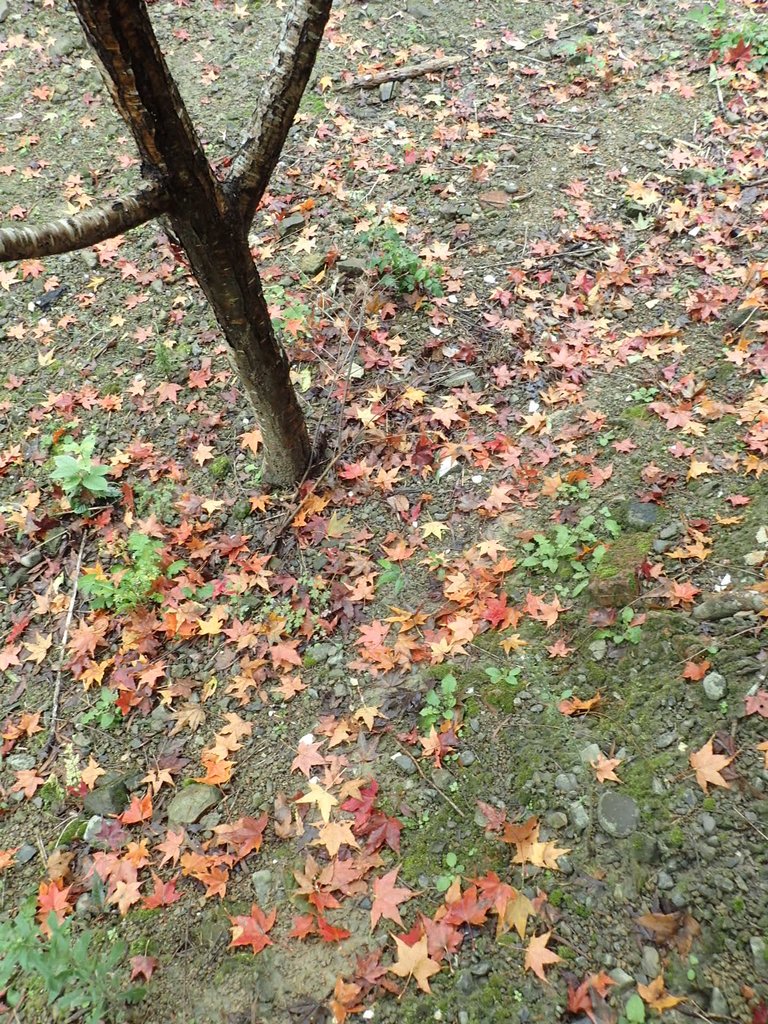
599	343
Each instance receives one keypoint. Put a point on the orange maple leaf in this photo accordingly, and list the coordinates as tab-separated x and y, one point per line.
708	765
537	956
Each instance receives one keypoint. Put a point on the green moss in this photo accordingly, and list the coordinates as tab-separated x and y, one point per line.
638	413
220	467
624	555
311	103
676	837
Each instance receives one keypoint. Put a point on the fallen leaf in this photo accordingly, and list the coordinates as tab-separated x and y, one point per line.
603	768
414	962
251	930
654	995
537	956
708	766
387	897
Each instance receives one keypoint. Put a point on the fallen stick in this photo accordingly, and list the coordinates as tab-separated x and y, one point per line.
49	743
400	74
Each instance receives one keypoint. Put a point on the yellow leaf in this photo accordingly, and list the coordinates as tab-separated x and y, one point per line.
323	800
434	528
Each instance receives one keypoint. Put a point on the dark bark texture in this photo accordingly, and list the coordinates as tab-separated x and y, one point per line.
211	219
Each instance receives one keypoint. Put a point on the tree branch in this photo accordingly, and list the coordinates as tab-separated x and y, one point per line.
280	97
143	90
401	74
83	229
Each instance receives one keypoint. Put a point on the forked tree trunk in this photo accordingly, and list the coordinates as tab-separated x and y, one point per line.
211	219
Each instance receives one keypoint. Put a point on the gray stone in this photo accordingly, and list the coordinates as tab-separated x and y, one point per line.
727	604
665	881
191	803
556	819
293	222
419	11
3	10
312	263
621	979
641	515
666	739
20	762
645	849
466	982
597	649
714	685
262	885
405	763
352	267
26	853
579	817
466	758
718	1004
589	753
442	778
106	800
567	783
65	45
708	824
482	969
617	814
386	91
759	952
651	961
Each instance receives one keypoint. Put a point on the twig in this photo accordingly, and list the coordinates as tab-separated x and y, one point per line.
431	782
551	127
49	743
400	74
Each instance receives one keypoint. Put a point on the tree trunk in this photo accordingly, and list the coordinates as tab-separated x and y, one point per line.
220	257
210	218
207	221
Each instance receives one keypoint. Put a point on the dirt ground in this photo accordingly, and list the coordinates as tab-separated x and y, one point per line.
518	619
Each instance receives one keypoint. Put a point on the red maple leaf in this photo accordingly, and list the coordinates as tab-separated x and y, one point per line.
328	932
244	836
164	894
252	930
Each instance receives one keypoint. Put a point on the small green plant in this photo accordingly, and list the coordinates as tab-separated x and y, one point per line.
78	474
571	551
579	491
741	44
634	1010
645	394
622	631
391	575
76	981
505	677
398	266
440	702
131	583
105	712
444	881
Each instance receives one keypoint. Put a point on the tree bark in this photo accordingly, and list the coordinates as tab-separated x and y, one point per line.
82	229
280	98
207	220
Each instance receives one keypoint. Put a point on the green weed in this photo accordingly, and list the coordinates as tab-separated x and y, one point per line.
741	44
78	474
400	268
131	584
75	981
440	702
572	551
